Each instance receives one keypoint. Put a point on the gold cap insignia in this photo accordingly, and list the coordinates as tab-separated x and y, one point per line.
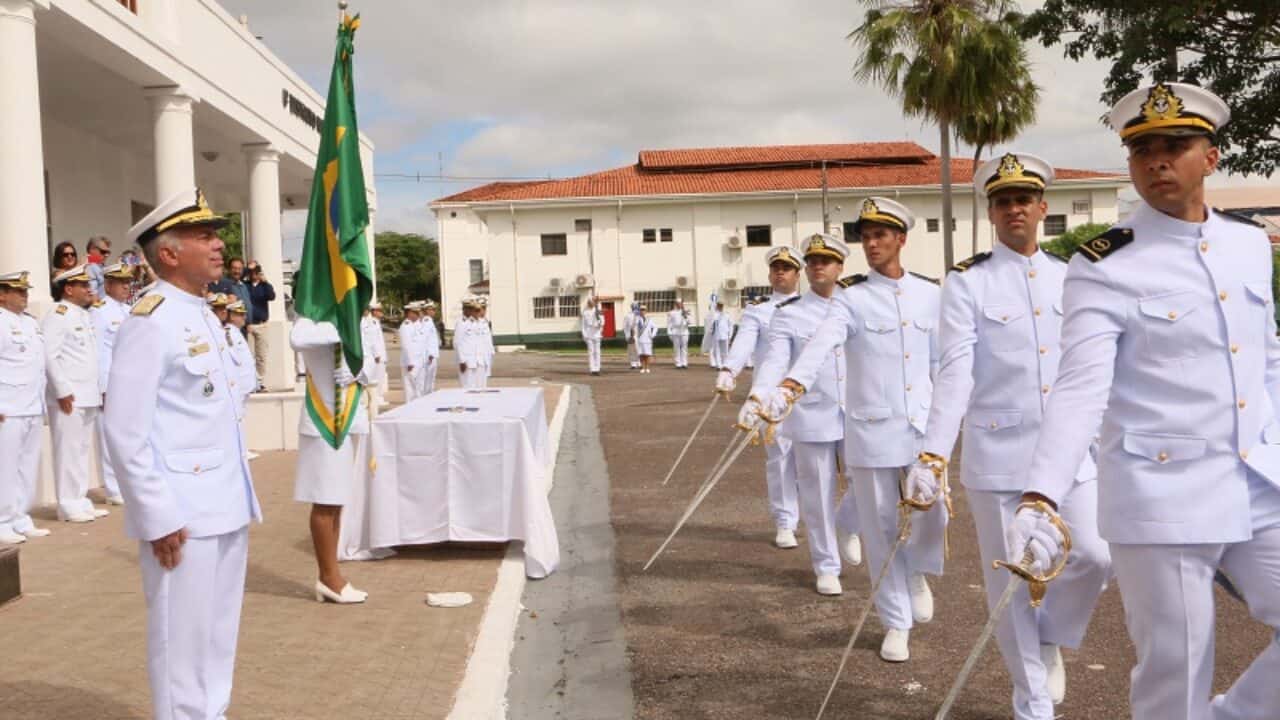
1010	167
817	243
1161	104
869	208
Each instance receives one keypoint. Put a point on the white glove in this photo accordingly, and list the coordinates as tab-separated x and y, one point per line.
725	382
1032	531
777	401
749	415
922	484
342	376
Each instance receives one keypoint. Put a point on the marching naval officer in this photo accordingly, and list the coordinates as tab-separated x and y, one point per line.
592	331
412	350
75	398
816	425
1169	339
1000	329
174	439
22	403
107	314
753	341
678	331
431	346
886	323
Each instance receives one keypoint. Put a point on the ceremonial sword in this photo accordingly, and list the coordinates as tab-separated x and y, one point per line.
1036	584
689	443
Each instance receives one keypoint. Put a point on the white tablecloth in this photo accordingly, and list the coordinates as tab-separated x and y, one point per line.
457	465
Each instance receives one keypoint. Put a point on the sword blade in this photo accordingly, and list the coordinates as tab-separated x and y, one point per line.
689	443
703	492
983	638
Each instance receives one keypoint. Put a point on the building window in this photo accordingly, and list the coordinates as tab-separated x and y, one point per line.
932	225
568	306
582	225
650	235
759	235
757	291
851	235
657	301
555	244
1079	207
664	235
1055	225
544	308
476	265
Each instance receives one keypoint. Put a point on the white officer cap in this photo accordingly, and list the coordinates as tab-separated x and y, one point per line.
118	271
782	253
237	307
79	273
20	280
186	209
825	244
1169	109
884	211
1013	170
375	305
218	300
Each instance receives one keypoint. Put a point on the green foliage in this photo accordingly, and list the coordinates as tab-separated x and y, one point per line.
407	266
233	236
1066	243
1229	46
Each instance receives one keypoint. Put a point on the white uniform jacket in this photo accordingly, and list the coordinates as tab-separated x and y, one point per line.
107	314
430	338
22	367
171	428
71	355
592	324
318	345
412	345
752	341
245	375
375	355
888	331
678	323
818	416
1168	338
466	342
1000	326
722	326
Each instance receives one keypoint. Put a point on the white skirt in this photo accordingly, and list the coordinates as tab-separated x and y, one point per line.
325	475
644	346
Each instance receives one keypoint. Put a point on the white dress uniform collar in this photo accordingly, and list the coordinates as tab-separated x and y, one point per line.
873	276
1001	252
1156	225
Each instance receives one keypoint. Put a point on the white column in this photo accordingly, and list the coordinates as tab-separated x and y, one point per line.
24	241
266	246
174	141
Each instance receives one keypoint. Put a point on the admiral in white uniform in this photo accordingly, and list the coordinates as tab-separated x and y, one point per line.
1169	340
592	332
1001	322
22	403
175	442
469	345
678	331
107	314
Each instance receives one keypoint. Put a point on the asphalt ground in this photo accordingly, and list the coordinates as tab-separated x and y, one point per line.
726	626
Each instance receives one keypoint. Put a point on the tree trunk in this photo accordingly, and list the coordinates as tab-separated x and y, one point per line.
948	253
977	155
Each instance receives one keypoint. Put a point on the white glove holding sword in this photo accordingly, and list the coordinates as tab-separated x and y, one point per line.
1033	530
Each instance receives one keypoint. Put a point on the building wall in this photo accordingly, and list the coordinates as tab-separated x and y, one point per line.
91	184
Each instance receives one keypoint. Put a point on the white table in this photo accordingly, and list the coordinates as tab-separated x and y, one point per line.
457	465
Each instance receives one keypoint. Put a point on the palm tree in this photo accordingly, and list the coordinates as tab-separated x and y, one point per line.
915	49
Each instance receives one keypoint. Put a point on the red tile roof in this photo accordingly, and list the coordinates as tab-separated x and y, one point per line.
746	170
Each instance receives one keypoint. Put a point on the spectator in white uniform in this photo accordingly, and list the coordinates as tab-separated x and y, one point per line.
22	404
592	331
678	331
108	313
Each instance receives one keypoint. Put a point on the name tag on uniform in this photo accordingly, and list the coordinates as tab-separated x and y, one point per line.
200	349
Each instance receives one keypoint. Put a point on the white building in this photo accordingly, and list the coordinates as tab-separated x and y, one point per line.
689	223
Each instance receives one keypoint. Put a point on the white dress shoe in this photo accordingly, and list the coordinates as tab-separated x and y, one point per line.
78	518
785	538
850	548
829	585
9	537
921	598
99	512
115	500
348	596
1055	671
35	532
894	648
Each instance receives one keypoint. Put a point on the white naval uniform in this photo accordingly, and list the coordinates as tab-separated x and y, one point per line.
1169	339
678	331
816	424
721	332
71	356
752	342
592	331
645	330
325	475
1000	331
22	403
174	439
628	333
411	352
431	355
487	351
245	376
887	331
107	314
375	360
467	344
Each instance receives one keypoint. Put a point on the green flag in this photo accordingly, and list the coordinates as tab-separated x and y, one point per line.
335	280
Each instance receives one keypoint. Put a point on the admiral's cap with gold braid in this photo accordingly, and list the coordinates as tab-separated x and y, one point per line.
782	253
884	211
219	300
237	307
79	273
825	244
1169	109
20	280
1013	170
118	271
186	209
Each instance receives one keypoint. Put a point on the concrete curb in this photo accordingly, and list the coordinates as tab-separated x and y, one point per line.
483	692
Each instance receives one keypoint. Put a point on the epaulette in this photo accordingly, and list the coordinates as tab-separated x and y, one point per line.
62	309
970	262
1237	217
1106	243
147	305
1056	256
926	278
787	302
99	303
852	280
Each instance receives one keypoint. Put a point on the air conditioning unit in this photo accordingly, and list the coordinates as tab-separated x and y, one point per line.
584	281
554	282
682	281
730	283
734	242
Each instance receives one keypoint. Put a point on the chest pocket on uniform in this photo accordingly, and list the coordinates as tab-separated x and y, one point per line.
1001	328
1261	304
1178	325
203	378
882	336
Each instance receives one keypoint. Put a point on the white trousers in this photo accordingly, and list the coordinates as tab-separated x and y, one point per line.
680	346
411	382
109	482
475	377
633	354
71	437
20	450
816	477
1064	616
780	477
193	618
429	376
719	353
876	492
593	355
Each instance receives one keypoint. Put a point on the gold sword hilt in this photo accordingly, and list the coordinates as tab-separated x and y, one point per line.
1037	585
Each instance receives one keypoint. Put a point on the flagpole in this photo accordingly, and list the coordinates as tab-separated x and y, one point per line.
342	11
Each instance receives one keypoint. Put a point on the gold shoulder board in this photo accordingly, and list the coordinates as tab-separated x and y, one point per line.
147	305
62	310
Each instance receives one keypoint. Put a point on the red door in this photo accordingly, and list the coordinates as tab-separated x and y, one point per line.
610	326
